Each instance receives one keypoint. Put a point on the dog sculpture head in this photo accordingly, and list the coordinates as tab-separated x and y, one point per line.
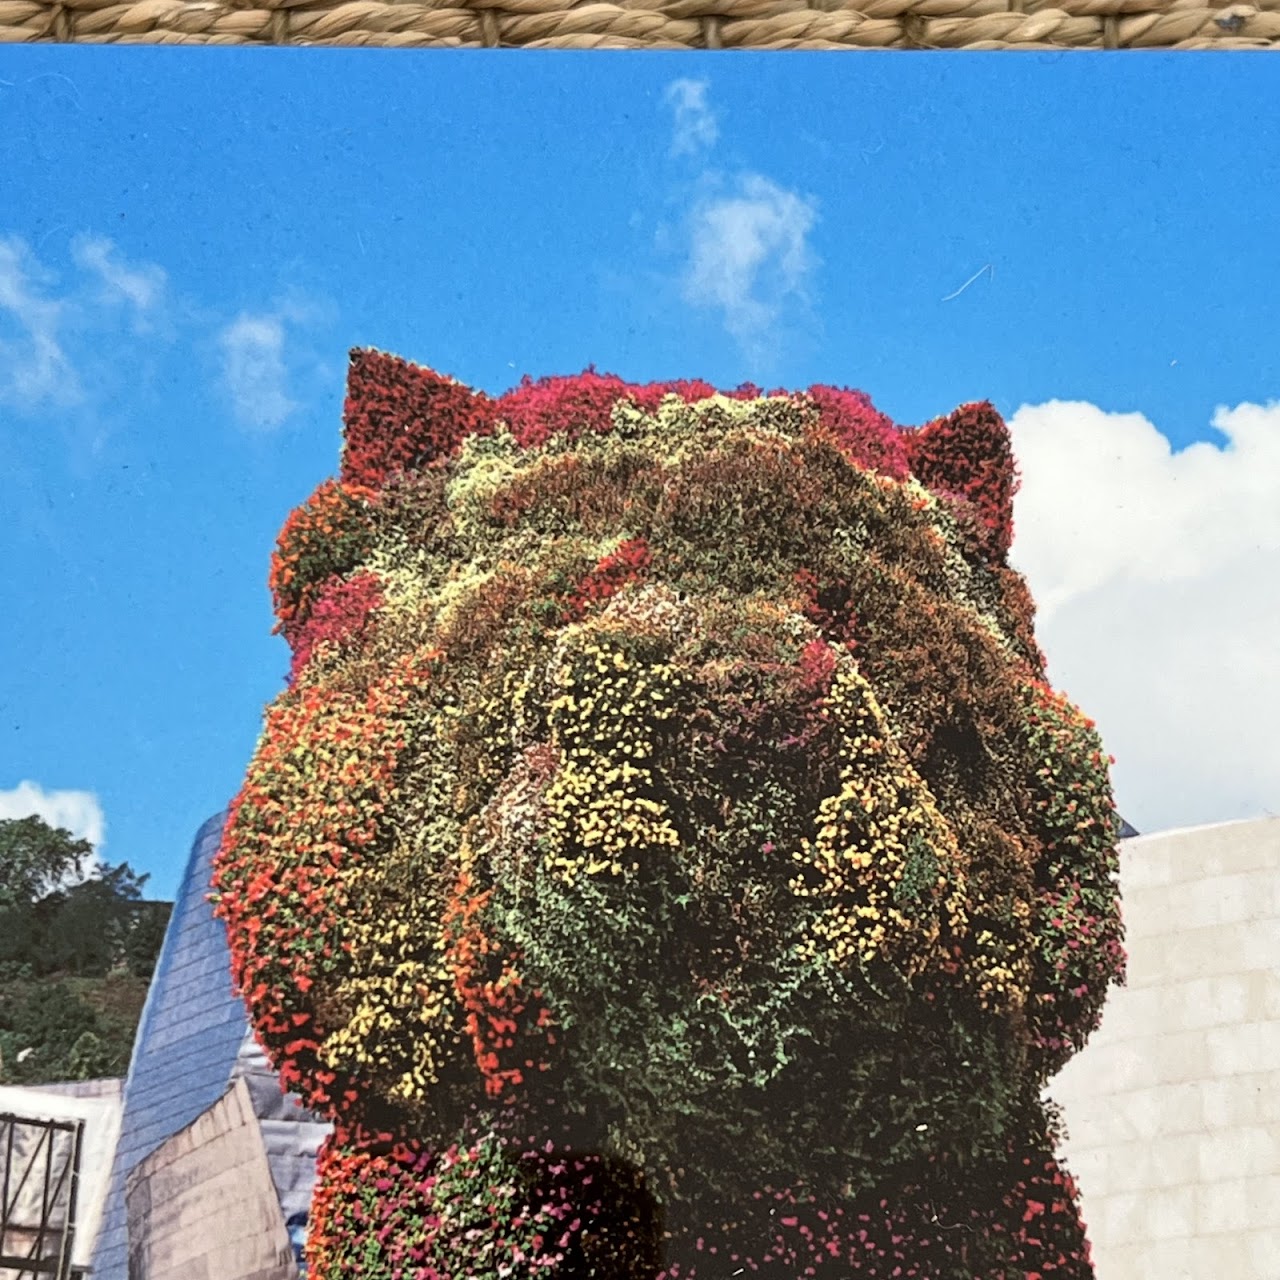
672	775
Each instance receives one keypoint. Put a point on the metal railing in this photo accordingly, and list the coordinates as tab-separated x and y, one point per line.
39	1179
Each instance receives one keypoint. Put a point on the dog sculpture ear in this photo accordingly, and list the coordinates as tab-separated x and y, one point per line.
967	455
399	417
867	437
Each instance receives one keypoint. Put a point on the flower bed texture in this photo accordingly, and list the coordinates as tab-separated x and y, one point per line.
668	860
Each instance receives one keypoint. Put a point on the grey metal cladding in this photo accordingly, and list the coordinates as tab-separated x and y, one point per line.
291	1134
190	1032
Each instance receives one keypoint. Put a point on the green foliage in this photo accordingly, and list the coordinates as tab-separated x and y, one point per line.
35	859
90	1058
68	1028
144	936
75	956
53	920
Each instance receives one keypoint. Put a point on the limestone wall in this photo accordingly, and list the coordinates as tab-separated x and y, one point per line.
202	1205
1173	1109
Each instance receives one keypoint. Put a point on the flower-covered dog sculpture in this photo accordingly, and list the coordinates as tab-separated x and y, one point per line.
668	860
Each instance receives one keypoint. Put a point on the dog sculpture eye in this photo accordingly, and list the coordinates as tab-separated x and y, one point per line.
667	860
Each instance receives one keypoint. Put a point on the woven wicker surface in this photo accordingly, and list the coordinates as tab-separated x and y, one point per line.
656	24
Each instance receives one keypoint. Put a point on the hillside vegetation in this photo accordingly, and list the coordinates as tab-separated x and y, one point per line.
77	950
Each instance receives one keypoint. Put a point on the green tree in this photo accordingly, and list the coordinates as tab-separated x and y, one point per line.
35	861
36	858
87	926
54	919
89	1058
76	953
146	934
39	1031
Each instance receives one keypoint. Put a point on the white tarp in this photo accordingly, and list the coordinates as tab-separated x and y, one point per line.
101	1118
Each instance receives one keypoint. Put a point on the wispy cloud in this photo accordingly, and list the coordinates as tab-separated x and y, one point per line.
695	128
34	366
744	237
141	287
44	318
1155	574
66	336
78	811
749	257
255	372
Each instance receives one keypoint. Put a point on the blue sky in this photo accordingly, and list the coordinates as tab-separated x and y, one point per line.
190	241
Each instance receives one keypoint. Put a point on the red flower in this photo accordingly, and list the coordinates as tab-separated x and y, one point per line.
867	437
968	455
399	417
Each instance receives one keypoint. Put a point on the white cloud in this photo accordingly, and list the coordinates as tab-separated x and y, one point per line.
34	367
695	128
64	341
744	238
45	355
749	256
142	286
254	370
78	811
1155	572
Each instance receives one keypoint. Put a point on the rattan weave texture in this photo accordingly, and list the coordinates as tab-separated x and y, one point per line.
655	24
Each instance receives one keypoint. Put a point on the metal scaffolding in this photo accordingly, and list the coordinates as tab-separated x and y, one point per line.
38	1185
